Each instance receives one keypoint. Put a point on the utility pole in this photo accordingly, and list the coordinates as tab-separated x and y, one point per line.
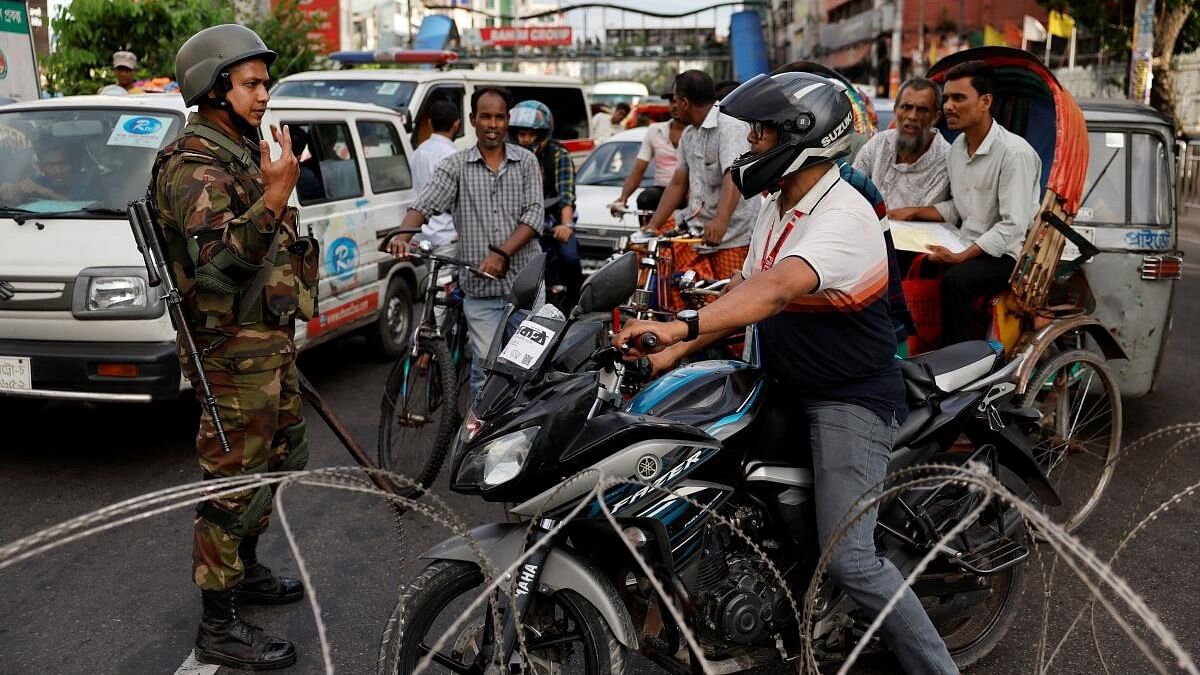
921	38
897	37
1140	72
516	34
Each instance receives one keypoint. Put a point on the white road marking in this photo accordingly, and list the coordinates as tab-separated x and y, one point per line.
191	666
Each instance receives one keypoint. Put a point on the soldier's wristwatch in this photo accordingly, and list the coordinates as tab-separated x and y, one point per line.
692	318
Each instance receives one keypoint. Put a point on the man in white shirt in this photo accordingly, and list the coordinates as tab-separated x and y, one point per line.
908	163
706	150
995	186
815	284
658	149
446	120
606	124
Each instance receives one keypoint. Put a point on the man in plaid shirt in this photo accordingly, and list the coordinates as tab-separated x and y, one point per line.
494	191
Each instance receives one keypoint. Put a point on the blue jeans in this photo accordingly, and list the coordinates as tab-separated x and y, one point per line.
850	447
483	315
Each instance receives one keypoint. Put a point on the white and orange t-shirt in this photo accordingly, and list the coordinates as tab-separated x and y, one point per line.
836	343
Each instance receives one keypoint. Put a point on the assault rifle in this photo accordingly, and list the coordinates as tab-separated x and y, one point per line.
158	273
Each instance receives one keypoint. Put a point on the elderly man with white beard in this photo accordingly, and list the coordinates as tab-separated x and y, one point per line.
908	163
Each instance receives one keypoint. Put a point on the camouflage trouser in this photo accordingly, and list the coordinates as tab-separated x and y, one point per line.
258	399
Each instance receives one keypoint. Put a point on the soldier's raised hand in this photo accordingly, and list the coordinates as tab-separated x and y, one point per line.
279	176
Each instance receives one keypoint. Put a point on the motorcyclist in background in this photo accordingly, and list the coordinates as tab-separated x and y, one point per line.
531	125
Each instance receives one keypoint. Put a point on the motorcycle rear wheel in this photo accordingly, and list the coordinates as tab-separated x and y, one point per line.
430	603
970	640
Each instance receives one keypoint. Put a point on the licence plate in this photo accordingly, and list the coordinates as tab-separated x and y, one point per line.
15	373
1070	250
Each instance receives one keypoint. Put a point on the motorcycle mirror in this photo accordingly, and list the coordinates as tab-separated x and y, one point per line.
528	283
610	285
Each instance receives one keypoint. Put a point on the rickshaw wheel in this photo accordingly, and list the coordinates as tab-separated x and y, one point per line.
1078	437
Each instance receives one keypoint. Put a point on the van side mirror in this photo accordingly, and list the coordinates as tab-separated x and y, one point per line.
528	283
610	285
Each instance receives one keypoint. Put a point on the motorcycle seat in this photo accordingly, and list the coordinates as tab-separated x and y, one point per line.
948	369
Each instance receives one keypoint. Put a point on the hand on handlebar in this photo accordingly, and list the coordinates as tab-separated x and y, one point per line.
636	341
617	208
493	265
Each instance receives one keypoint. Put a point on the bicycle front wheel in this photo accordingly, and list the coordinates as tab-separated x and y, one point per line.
418	415
1079	435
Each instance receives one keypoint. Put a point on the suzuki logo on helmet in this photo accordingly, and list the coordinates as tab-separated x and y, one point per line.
833	135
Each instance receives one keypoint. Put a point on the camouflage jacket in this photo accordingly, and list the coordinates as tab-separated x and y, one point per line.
208	191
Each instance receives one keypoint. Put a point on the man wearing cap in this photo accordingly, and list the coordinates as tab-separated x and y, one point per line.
125	66
246	276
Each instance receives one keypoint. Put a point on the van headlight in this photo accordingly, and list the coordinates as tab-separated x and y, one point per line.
497	462
114	292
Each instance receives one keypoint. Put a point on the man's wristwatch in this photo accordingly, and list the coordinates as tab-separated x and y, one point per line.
692	318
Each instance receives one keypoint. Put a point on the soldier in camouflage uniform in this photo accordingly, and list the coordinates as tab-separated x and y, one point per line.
246	275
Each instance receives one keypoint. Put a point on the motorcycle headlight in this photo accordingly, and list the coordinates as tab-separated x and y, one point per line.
113	292
499	461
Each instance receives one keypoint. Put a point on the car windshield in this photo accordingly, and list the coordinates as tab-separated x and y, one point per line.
395	94
610	163
79	162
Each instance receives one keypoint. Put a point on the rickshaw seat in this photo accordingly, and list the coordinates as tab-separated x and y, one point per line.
947	369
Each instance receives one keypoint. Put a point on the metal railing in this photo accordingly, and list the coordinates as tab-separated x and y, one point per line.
1189	175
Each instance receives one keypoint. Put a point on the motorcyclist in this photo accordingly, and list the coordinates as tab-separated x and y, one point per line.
815	283
531	125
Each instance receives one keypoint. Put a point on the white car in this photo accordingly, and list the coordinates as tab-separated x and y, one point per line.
597	184
78	320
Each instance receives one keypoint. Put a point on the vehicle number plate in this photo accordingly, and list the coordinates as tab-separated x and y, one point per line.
527	344
15	373
1070	250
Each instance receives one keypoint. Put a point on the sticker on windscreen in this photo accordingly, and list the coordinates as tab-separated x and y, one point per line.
527	345
140	131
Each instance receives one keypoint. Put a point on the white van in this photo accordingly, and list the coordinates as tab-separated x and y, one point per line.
411	91
611	93
77	320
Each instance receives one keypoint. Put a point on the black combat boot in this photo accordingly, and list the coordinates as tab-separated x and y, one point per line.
226	639
259	584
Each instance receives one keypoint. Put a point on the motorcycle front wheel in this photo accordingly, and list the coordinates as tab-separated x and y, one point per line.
563	633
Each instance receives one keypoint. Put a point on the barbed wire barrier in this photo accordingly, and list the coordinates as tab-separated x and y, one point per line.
1107	590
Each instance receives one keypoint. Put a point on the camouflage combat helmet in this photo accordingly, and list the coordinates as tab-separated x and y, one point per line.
206	54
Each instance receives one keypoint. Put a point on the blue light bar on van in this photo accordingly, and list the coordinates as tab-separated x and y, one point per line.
434	56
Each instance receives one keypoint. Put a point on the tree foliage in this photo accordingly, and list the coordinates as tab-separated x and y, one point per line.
89	31
1176	30
1112	21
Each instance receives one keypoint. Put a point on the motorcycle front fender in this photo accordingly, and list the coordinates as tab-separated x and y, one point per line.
502	543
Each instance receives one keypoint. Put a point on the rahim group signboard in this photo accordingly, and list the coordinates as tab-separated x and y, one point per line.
525	36
18	67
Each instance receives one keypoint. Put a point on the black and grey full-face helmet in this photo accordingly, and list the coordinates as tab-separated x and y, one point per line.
814	118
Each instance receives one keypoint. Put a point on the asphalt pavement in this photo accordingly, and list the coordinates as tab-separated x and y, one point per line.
122	601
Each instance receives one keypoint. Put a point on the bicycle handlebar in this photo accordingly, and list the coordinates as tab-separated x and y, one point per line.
415	251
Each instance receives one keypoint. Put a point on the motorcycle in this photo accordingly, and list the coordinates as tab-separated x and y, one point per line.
716	501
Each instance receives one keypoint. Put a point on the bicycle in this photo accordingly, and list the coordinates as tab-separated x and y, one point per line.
426	393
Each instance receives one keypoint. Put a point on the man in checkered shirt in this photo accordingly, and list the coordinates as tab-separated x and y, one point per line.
493	189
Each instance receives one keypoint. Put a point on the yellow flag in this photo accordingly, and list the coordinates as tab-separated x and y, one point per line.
992	36
1061	25
933	53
